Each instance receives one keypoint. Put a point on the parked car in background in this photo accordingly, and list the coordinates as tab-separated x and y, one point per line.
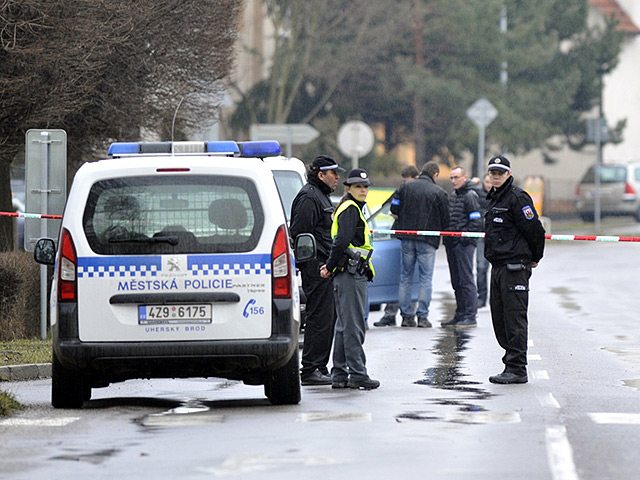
619	191
17	201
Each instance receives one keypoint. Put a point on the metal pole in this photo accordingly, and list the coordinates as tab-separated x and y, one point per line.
479	167
596	204
289	140
44	192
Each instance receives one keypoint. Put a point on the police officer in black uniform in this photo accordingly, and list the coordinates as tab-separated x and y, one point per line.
514	244
311	212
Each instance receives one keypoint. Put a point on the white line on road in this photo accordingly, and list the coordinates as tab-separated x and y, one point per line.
560	454
38	422
548	400
616	418
334	417
541	375
534	356
483	417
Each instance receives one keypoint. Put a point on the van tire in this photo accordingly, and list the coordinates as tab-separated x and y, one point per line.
67	389
282	386
586	217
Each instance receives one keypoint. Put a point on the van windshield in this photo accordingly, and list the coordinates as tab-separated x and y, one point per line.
608	174
173	214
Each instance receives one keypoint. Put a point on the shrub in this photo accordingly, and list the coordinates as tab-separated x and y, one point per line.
19	296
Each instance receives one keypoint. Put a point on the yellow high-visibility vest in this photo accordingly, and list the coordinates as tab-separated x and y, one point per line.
368	238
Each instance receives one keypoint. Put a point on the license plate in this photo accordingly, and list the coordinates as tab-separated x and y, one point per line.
172	314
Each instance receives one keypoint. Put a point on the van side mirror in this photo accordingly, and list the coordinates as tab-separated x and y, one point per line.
45	251
305	248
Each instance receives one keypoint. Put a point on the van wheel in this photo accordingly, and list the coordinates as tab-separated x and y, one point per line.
586	217
67	390
282	386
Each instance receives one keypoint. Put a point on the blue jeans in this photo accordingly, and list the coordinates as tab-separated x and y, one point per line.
424	254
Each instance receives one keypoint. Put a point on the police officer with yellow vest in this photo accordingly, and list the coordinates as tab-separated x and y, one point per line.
350	265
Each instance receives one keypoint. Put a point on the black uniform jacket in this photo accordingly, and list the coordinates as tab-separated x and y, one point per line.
513	232
421	204
465	216
311	212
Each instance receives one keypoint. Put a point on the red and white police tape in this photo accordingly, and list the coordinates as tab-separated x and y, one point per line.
30	215
431	233
428	233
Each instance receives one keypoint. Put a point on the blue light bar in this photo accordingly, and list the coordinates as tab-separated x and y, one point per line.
263	148
222	147
123	148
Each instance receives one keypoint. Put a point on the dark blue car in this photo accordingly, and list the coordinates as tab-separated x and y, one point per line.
386	261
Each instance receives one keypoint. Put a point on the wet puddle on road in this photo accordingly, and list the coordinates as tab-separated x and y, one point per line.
447	375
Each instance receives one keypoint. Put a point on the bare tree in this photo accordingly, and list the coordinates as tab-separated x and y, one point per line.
102	69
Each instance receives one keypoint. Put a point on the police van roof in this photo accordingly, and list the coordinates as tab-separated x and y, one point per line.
261	149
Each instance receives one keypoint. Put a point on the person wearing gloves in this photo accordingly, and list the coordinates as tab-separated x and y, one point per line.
349	264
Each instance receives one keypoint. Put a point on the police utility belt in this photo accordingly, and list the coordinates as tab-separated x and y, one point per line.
354	260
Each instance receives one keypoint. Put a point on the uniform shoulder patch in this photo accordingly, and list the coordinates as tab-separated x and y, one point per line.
528	212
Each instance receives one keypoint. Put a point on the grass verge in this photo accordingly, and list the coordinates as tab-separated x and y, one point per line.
18	352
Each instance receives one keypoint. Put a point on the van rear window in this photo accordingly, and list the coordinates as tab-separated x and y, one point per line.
173	214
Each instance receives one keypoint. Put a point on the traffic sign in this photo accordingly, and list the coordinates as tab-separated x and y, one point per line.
355	139
482	112
45	182
294	133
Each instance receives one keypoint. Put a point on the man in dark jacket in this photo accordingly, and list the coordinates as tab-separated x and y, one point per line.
514	244
311	213
419	204
464	213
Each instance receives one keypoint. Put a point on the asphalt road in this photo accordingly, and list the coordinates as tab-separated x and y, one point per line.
435	415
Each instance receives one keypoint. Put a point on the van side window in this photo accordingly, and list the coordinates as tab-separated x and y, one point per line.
173	214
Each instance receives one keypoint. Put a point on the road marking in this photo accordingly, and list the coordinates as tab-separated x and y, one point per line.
616	418
560	454
541	375
534	356
530	342
334	417
548	400
38	422
259	463
181	420
483	417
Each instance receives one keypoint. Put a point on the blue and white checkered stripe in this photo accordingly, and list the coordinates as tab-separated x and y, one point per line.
230	265
91	267
150	266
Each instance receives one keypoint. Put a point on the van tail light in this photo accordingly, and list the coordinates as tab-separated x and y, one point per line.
67	268
628	189
577	190
281	264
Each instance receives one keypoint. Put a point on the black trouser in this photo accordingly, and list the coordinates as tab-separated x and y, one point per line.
509	300
320	318
460	259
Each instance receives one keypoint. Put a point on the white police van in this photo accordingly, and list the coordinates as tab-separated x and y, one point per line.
174	261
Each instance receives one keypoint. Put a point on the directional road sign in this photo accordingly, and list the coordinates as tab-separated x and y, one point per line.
295	133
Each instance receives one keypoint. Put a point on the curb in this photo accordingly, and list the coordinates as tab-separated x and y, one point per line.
33	371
